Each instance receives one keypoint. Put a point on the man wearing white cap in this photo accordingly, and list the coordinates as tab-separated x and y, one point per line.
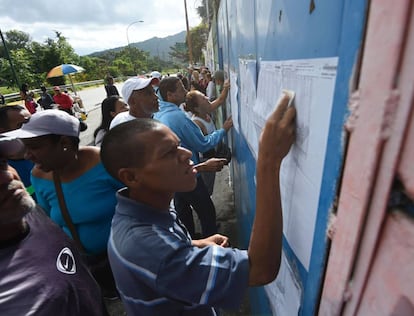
156	75
142	100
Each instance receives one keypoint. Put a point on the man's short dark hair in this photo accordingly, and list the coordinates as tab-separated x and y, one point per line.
121	148
168	84
4	118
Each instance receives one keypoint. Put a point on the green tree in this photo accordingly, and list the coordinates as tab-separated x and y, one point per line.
207	10
180	52
33	60
22	65
59	51
123	66
95	67
66	51
15	40
199	37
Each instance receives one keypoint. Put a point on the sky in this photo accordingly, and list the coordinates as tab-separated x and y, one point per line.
95	25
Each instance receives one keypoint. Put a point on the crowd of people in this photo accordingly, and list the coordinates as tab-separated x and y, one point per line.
61	99
117	217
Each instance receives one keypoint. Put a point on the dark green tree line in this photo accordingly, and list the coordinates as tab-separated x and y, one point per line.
32	61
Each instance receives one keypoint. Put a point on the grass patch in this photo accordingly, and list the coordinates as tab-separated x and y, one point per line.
6	90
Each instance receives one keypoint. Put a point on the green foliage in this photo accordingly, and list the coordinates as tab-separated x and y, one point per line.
33	60
179	52
6	90
94	67
199	37
207	10
15	40
67	53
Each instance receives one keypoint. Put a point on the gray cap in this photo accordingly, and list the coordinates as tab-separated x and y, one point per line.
47	122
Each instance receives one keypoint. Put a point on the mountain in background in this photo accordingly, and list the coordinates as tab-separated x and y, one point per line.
155	46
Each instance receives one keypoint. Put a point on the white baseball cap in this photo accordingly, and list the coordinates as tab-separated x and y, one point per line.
47	122
133	84
156	74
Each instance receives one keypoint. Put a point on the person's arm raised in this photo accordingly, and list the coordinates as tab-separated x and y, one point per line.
223	95
228	123
265	246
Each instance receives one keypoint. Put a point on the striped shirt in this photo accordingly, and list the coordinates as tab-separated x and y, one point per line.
159	272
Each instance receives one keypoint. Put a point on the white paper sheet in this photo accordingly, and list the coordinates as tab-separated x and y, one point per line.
234	90
285	292
248	76
313	81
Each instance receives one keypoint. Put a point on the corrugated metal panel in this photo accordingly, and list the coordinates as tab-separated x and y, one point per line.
386	90
390	287
405	169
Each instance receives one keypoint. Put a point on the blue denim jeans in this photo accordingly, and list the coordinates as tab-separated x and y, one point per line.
199	200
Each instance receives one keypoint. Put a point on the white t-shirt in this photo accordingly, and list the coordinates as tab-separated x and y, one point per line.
121	118
211	91
209	126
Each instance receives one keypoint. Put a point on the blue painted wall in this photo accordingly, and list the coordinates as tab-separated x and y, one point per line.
285	30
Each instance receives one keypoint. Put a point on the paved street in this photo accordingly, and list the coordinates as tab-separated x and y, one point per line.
92	99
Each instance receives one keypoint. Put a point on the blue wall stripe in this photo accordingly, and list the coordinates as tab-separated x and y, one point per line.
281	30
351	39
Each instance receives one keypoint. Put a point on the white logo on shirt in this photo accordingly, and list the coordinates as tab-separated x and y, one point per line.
65	262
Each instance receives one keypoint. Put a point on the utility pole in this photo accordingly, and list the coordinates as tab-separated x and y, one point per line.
190	48
10	61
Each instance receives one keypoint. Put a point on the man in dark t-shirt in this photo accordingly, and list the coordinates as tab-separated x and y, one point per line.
46	100
110	88
41	270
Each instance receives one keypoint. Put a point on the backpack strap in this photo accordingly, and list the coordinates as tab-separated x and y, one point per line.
65	212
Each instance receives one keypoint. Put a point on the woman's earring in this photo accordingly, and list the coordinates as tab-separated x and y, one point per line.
64	149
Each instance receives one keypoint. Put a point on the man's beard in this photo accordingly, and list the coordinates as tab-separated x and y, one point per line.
23	206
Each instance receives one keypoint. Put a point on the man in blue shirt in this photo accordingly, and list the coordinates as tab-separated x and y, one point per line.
173	94
158	269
